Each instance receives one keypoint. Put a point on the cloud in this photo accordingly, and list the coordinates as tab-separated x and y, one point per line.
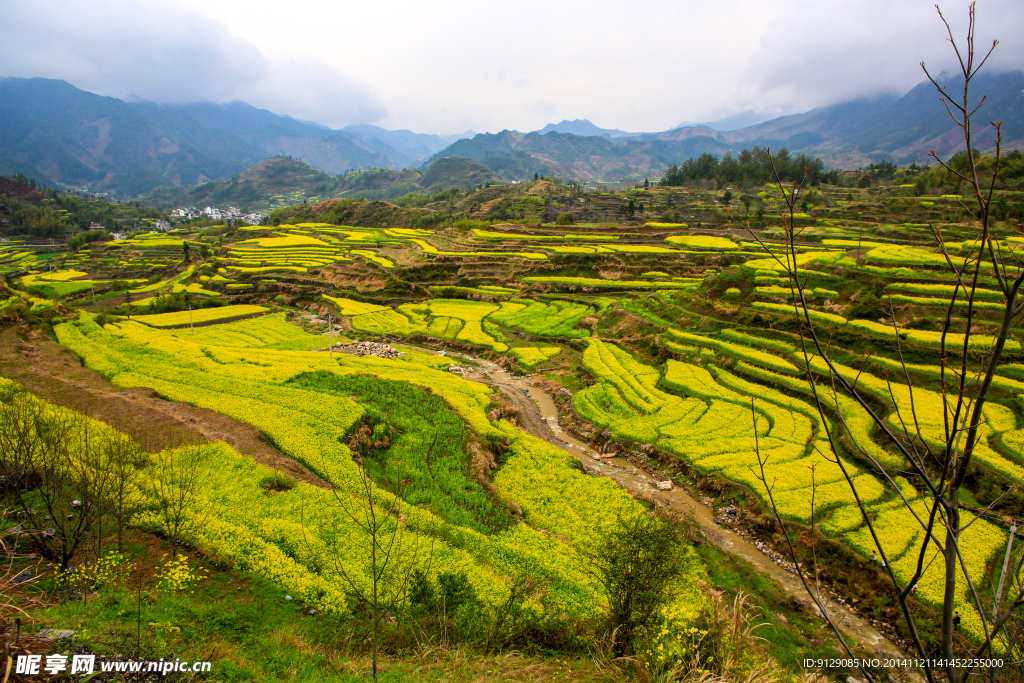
307	88
167	53
147	50
454	64
814	55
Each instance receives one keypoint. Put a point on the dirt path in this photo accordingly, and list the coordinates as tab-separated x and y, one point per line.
539	416
52	372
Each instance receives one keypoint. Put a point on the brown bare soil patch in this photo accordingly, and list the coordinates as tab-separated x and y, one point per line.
53	373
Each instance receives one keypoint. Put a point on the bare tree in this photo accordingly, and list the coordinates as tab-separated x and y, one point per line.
124	460
174	481
92	461
47	474
940	469
382	585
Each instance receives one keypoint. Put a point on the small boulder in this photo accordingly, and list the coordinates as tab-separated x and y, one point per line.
665	485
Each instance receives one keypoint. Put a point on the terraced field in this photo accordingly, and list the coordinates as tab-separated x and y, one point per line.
674	342
260	371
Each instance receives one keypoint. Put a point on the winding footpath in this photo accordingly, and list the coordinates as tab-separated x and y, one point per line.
539	416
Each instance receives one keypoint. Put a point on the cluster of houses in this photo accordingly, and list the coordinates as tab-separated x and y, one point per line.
232	213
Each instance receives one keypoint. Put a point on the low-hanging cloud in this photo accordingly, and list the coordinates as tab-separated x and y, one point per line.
167	53
456	64
307	88
815	54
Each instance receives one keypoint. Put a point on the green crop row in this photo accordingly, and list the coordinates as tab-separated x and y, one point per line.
739	351
531	356
703	242
817	316
931	339
625	284
200	315
556	319
712	426
944	290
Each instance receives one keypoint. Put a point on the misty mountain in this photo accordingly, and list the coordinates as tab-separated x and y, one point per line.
899	129
518	156
73	138
847	135
734	122
281	181
329	150
416	146
583	127
78	139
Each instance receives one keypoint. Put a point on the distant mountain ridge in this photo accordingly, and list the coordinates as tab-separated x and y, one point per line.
421	144
71	138
78	138
847	135
742	119
281	181
585	128
74	138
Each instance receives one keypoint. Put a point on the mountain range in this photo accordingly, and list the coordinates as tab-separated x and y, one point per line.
68	137
847	135
281	181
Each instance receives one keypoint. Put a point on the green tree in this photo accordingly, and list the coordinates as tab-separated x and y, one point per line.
745	200
638	564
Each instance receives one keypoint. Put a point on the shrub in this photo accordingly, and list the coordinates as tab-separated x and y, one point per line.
467	224
638	564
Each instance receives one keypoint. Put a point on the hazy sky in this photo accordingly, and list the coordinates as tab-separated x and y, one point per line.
449	65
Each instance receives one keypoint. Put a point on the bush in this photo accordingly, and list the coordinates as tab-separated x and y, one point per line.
565	219
467	224
637	564
88	236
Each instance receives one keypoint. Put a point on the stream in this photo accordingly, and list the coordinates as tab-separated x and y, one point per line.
539	416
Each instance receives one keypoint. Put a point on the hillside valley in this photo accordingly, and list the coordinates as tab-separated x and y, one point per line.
527	378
